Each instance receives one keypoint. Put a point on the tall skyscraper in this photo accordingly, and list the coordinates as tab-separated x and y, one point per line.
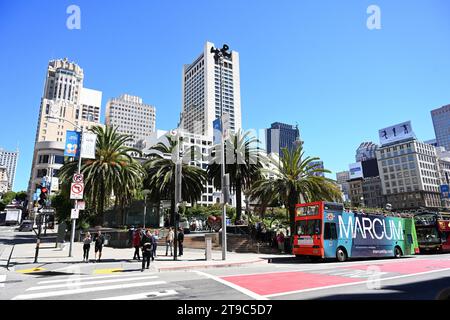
317	165
131	116
441	123
64	97
8	159
201	92
366	151
281	135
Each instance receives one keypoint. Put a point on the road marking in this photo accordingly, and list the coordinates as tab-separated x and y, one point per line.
2	280
234	286
77	282
107	271
30	270
75	277
85	290
144	295
353	283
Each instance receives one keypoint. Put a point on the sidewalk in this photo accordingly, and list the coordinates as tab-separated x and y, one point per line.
23	258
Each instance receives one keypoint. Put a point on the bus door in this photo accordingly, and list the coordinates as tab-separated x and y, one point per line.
330	239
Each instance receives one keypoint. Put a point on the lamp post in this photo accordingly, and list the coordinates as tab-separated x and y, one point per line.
146	192
72	234
219	55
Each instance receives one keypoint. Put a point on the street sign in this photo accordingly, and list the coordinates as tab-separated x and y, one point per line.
81	205
88	143
74	213
78	177
76	191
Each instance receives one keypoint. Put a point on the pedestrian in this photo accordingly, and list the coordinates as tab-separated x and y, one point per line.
147	247
155	244
280	241
86	246
180	239
169	241
99	240
137	244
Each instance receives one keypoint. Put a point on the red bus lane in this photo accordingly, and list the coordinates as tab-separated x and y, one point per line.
274	283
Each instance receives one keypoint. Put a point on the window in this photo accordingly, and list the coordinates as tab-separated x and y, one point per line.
330	232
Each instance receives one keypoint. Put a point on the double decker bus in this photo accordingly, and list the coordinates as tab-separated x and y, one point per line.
325	230
433	231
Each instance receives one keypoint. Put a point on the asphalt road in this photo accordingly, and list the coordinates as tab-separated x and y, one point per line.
418	277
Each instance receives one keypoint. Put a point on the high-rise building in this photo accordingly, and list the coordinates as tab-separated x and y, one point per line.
4	184
317	165
441	123
8	159
281	135
366	151
409	174
64	97
131	116
201	92
342	180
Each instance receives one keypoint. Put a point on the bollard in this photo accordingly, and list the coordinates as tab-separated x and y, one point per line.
208	247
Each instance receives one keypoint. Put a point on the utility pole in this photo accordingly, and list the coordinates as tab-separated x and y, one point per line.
177	192
219	55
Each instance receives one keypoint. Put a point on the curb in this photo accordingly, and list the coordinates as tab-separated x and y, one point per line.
221	265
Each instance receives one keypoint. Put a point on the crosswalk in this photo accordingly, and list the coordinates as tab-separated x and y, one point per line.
102	287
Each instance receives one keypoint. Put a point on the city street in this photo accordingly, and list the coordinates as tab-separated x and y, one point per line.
277	277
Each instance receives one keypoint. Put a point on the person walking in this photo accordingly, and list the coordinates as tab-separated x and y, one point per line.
155	244
180	238
86	246
99	240
169	241
280	241
147	248
137	244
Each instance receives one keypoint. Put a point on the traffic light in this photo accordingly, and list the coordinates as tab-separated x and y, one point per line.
43	196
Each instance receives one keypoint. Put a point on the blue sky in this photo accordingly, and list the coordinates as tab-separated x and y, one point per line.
314	63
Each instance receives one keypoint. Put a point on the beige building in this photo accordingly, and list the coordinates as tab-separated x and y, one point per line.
131	116
3	180
65	98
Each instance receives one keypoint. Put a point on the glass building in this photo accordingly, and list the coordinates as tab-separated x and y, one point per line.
441	123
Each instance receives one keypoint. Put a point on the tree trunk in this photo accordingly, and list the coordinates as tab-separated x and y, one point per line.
101	204
238	201
292	201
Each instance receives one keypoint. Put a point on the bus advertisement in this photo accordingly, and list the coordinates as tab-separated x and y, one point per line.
433	231
325	230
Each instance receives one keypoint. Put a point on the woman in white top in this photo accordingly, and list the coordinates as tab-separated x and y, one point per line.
86	246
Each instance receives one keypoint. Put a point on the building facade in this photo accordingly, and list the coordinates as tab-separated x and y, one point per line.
201	92
441	124
342	180
65	98
409	174
131	116
281	135
356	192
8	159
366	151
318	165
4	184
373	193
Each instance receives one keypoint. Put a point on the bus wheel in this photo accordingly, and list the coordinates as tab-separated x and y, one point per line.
341	254
398	252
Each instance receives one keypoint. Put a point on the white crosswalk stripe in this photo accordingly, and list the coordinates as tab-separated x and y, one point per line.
75	285
2	280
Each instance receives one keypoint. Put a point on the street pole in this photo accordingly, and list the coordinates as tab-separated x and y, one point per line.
219	55
74	221
145	207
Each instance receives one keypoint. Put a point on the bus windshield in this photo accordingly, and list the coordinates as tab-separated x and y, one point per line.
308	211
429	235
308	227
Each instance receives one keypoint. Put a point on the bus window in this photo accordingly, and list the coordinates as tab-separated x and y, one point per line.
307	211
410	239
330	232
308	227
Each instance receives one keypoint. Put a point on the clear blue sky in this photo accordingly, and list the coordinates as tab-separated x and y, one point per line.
314	63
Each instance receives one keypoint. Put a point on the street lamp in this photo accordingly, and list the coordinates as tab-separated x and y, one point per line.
146	192
72	235
219	55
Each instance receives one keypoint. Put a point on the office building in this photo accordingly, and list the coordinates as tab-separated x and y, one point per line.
317	165
281	135
201	92
366	151
342	180
8	159
65	105
131	116
4	184
441	123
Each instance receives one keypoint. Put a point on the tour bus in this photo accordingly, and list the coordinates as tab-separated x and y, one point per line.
326	230
433	231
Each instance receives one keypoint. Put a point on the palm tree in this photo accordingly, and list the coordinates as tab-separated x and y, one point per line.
243	163
112	171
160	170
295	181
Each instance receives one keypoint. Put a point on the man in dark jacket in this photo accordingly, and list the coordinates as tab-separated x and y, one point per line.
147	249
99	240
180	239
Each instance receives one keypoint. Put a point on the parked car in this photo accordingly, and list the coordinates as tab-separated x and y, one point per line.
26	225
